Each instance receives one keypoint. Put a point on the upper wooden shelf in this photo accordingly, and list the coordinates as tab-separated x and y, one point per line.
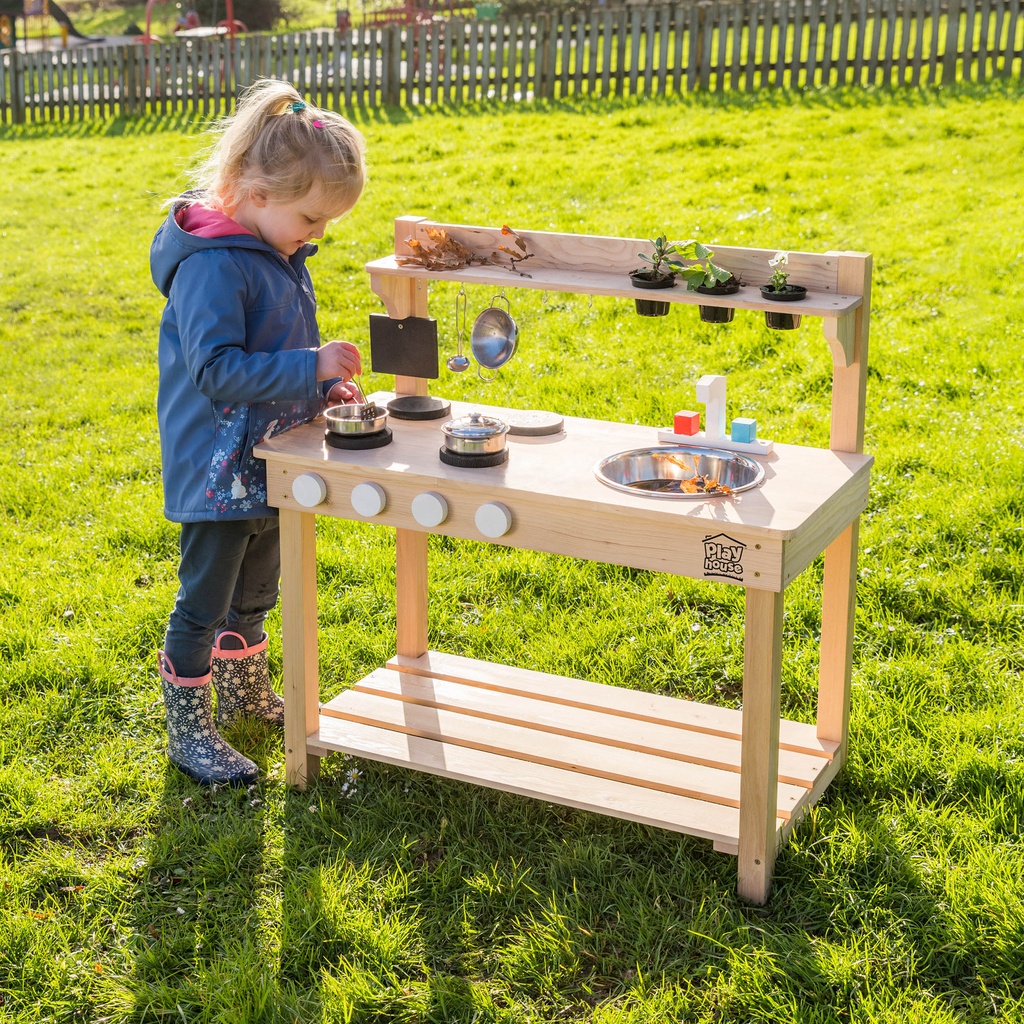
600	265
838	284
616	284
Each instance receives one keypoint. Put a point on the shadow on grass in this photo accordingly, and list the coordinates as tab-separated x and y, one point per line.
833	97
208	907
410	898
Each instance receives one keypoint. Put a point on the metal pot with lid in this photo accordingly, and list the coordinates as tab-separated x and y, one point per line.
475	434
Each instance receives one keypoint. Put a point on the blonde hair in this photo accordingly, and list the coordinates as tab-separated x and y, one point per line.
279	146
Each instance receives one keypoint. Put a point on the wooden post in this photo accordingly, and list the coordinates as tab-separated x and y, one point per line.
403	297
299	644
839	587
759	758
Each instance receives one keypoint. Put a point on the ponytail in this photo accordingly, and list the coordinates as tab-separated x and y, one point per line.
277	145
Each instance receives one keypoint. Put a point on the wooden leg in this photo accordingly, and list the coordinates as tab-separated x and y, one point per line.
759	757
839	595
299	644
411	592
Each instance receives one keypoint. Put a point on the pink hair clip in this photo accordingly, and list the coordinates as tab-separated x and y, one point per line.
318	124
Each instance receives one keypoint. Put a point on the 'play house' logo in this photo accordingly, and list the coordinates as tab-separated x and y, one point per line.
723	557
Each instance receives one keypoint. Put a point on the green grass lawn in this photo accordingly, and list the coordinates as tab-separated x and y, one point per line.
127	893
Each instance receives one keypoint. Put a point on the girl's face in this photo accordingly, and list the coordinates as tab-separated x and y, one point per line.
287	226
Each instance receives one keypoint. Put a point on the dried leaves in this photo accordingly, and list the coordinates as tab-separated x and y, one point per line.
443	252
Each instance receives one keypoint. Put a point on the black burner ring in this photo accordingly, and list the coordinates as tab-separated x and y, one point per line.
418	407
485	461
358	442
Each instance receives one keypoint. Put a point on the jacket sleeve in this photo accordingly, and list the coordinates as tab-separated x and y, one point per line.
209	298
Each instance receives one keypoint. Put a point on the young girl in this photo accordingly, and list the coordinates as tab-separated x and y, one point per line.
240	360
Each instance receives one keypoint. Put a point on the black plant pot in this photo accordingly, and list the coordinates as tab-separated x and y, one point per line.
649	279
718	314
788	293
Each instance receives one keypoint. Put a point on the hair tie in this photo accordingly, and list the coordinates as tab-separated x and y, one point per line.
318	124
298	107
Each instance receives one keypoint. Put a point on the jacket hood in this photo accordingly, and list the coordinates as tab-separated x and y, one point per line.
173	244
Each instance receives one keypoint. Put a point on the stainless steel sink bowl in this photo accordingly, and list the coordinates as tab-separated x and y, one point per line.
679	471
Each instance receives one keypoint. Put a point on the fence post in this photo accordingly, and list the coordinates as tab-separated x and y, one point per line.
952	46
17	88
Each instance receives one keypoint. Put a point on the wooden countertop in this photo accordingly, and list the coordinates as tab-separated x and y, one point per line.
808	496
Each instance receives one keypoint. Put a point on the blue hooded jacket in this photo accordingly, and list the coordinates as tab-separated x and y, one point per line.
237	356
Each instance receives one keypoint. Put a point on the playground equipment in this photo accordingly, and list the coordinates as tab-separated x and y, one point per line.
11	10
191	24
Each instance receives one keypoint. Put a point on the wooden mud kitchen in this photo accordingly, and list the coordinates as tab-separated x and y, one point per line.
741	778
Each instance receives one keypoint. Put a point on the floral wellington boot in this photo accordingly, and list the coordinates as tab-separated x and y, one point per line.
242	681
193	744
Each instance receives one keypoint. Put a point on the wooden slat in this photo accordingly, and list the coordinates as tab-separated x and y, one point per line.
798	77
348	58
486	43
782	45
619	78
707	30
859	31
984	29
906	32
591	54
1008	56
630	705
721	62
593	723
607	37
569	752
934	65
828	46
564	58
580	55
680	16
603	796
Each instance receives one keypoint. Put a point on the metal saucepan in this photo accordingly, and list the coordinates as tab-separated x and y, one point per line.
494	336
474	434
356	418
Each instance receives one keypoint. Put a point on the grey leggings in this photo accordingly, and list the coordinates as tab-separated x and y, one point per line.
230	577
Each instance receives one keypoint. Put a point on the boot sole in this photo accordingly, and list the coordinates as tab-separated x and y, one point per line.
209	780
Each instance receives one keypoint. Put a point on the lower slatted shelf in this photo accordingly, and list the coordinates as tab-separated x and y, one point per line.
659	760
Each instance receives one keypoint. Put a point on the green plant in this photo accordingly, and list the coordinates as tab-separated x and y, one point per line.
662	257
702	273
779	275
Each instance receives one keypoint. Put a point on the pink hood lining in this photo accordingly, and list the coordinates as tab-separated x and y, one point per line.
203	222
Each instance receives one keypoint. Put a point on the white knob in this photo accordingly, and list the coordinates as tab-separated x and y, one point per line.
309	490
369	499
493	519
429	509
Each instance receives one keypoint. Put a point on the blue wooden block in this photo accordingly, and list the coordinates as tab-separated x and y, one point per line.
743	430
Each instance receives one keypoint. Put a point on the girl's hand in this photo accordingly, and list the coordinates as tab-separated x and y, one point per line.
342	393
337	359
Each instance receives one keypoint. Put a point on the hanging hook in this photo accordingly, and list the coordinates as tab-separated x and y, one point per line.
460	313
460	361
502	297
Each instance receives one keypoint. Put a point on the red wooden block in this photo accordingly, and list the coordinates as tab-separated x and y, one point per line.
686	422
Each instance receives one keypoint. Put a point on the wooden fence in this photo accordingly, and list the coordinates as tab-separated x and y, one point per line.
712	45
